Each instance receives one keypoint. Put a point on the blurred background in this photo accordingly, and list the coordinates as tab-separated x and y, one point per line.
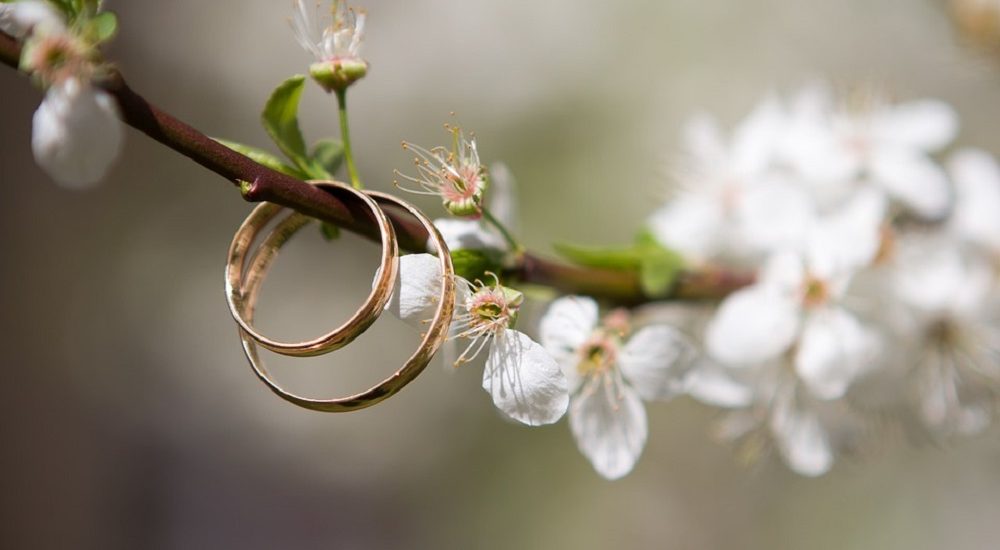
130	418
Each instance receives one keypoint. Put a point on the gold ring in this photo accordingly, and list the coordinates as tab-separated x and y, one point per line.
362	318
436	334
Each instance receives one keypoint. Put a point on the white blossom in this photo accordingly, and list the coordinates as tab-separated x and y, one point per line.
19	19
797	306
953	298
524	380
76	133
335	34
731	199
609	377
878	143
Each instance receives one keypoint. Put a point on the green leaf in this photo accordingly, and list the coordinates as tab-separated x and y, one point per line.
658	270
473	264
607	258
329	231
281	120
102	27
263	157
326	158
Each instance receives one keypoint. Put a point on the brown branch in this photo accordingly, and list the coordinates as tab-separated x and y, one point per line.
264	184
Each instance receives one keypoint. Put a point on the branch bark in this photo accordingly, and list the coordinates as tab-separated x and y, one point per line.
264	184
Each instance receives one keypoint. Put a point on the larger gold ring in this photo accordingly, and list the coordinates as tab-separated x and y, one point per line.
436	334
362	318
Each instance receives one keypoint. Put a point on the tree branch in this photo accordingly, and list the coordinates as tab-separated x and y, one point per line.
264	184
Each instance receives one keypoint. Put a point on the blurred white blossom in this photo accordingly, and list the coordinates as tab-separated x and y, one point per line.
76	131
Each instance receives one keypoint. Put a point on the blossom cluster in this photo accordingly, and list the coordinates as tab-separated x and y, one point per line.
875	293
876	264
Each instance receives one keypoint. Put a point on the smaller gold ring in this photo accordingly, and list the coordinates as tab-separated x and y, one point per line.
362	318
436	334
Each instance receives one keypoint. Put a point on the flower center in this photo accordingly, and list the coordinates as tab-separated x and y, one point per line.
489	309
597	355
815	291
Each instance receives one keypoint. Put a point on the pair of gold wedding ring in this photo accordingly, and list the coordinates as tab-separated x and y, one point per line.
245	272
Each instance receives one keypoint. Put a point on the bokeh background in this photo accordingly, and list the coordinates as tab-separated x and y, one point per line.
131	420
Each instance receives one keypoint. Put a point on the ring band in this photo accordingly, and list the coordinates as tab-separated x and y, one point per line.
436	334
362	318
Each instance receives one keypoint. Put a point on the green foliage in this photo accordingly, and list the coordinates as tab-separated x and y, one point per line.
263	157
281	120
101	28
473	264
329	231
328	155
656	266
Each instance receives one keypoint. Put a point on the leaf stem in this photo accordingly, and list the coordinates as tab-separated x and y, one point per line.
345	136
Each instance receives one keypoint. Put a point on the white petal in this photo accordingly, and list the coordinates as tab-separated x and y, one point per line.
655	360
926	125
19	18
712	384
933	276
775	215
503	195
76	134
849	238
913	179
609	424
567	324
755	140
471	234
977	197
752	325
418	288
703	140
525	381
802	441
834	349
693	225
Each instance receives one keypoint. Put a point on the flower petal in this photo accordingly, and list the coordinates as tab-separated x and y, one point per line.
925	125
525	381
470	234
913	179
834	349
751	326
693	225
755	140
655	360
19	18
711	384
775	215
76	134
609	425
418	288
802	441
503	195
976	217
567	324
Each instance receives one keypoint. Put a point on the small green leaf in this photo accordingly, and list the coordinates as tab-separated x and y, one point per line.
261	156
658	271
329	231
607	258
102	27
326	158
281	120
473	264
